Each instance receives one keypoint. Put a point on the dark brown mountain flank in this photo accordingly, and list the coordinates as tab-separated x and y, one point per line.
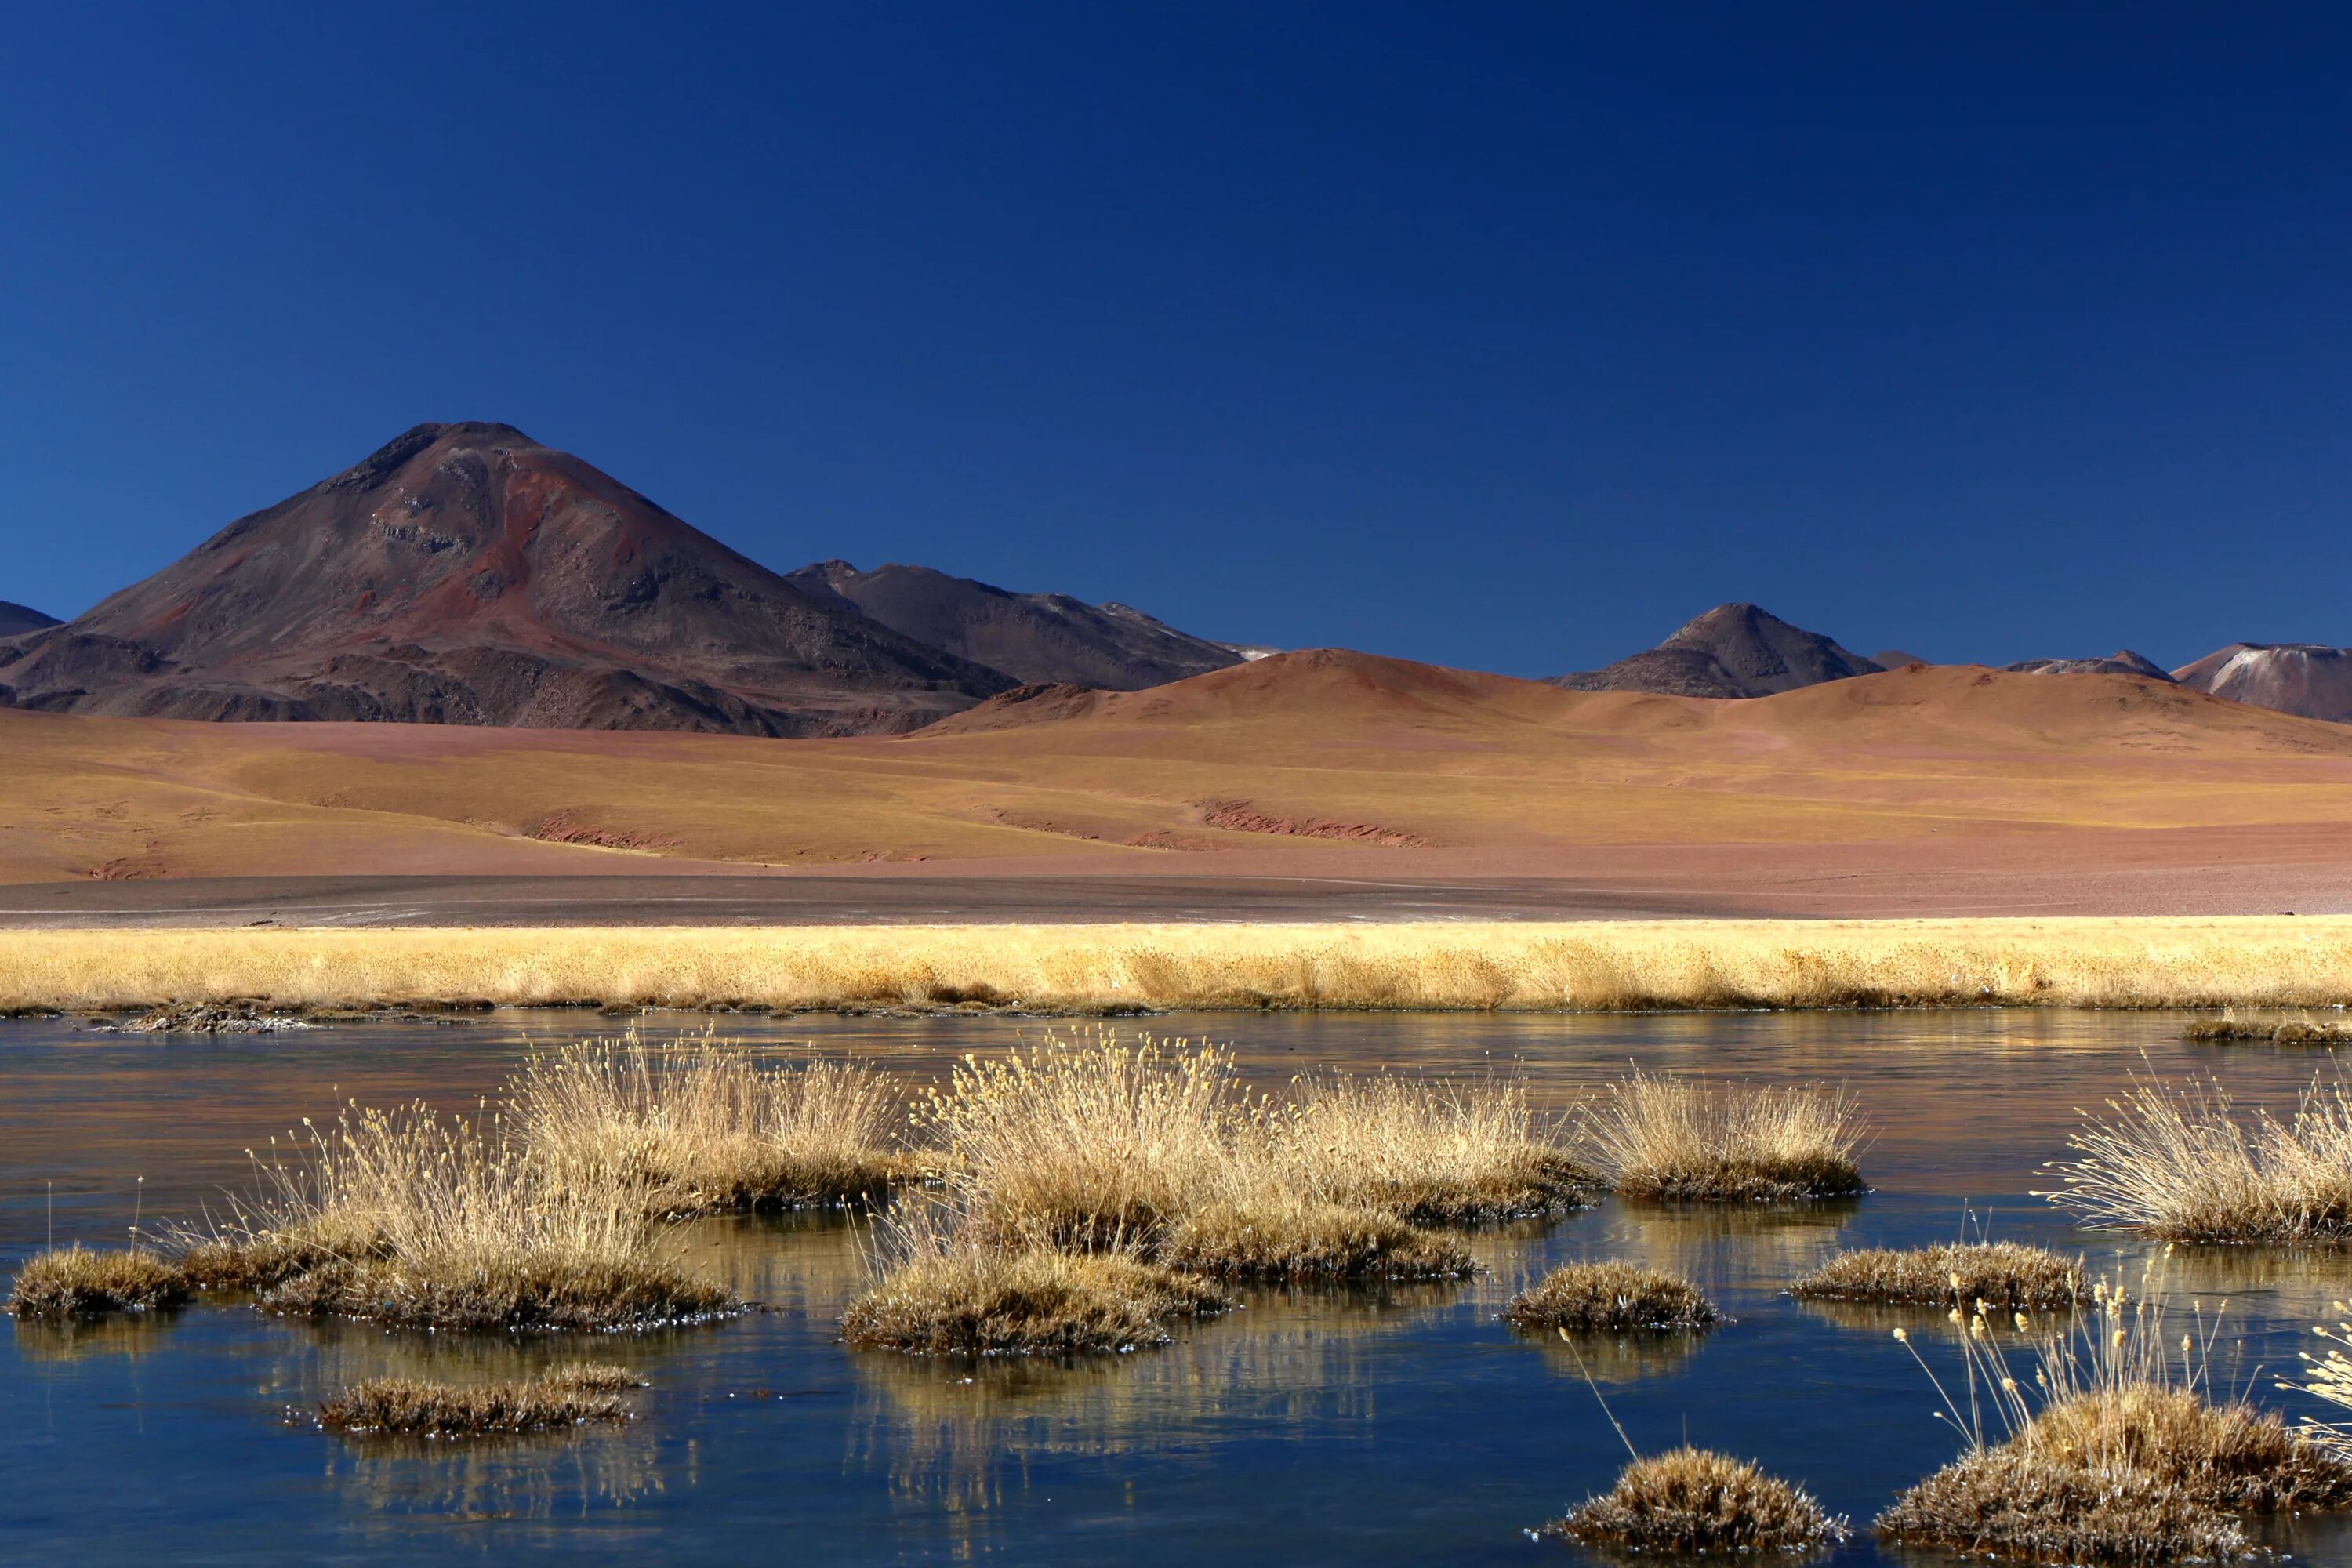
2309	680
18	619
466	575
1733	650
2123	661
1038	638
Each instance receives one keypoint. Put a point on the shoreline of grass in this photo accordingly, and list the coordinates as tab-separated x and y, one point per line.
2205	962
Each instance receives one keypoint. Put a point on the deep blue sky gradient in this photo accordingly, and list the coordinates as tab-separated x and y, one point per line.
1506	336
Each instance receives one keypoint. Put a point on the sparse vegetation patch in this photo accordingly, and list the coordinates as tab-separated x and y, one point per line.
2003	1273
1297	1239
1612	1298
1679	1139
1693	1500
968	1297
562	1396
81	1282
2300	1030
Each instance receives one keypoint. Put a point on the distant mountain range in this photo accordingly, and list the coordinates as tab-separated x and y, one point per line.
17	618
467	574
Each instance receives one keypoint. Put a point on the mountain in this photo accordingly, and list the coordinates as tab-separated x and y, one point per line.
1037	639
2123	661
2309	680
1895	659
15	619
467	575
1733	650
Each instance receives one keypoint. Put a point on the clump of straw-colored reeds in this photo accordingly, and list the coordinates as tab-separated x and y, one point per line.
77	1281
702	1126
2121	1453
2182	1165
406	1216
2300	1030
559	1397
2004	1274
1612	1298
1433	1152
1681	1140
1286	1235
1693	1500
950	1292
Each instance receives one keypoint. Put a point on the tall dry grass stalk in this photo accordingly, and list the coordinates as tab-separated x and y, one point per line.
1590	966
2120	1450
1689	1140
2182	1164
407	1216
701	1125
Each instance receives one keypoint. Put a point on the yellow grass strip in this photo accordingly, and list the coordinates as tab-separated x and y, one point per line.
2254	961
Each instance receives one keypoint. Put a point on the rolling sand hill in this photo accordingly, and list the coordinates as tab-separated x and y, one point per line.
467	575
1037	637
1916	790
2305	678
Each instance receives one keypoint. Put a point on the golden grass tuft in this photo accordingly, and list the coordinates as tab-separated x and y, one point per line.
1599	965
1299	1238
1697	1502
1433	1153
964	1297
1679	1139
2003	1273
702	1127
2119	1454
2303	1030
559	1397
1611	1298
408	1217
79	1282
2181	1166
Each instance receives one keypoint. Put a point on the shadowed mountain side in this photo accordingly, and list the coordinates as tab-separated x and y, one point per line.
467	575
1895	659
1347	762
1035	637
15	619
2308	680
1733	650
2123	661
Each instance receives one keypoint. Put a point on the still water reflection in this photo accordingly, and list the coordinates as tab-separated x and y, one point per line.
1400	1425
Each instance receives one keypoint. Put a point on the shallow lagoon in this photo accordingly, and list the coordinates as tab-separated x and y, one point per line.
1405	1426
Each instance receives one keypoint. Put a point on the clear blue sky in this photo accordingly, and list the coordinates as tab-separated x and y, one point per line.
1496	335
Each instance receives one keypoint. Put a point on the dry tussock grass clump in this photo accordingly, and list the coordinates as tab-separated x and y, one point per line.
1680	1140
2251	962
1613	1297
960	1296
2003	1273
1693	1500
2119	1454
404	1216
1291	1237
2181	1166
701	1126
79	1282
1108	1146
2305	1030
562	1396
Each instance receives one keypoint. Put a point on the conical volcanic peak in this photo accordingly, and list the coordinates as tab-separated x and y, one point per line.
2309	680
465	574
1732	650
1040	638
15	619
2123	661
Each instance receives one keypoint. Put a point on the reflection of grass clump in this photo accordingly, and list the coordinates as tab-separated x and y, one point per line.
2181	1166
2003	1274
78	1282
406	1217
562	1396
702	1126
2120	1454
1693	1500
1614	1298
965	1298
1669	1139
